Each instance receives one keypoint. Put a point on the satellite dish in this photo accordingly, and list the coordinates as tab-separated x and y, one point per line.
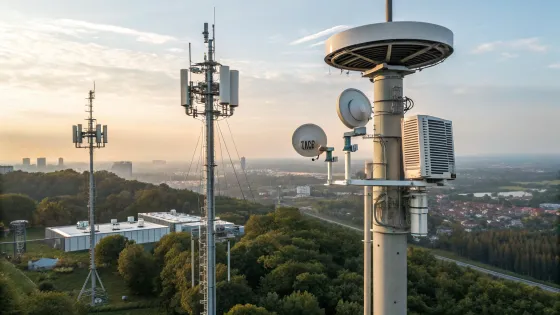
353	108
307	140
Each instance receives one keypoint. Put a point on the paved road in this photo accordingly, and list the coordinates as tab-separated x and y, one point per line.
460	263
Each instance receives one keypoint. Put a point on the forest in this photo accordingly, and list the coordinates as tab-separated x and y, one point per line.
60	198
285	264
288	264
536	254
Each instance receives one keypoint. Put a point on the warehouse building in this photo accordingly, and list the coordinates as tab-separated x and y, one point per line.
173	219
181	222
76	237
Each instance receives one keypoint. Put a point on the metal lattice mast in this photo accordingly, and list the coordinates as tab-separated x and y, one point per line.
204	92
20	237
96	138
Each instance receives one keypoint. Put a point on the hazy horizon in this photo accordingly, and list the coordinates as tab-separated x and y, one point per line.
498	88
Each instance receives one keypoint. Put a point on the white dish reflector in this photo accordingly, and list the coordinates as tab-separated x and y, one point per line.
307	139
353	108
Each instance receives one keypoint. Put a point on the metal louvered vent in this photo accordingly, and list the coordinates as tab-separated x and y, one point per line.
428	148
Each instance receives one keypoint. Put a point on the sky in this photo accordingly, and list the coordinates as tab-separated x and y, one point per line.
499	87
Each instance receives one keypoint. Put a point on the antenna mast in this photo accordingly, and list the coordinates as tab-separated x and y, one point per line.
96	139
205	93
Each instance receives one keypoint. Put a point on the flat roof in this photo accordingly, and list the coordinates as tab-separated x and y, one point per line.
217	222
105	228
172	218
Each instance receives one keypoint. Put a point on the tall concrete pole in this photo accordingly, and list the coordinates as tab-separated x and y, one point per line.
367	240
210	213
389	228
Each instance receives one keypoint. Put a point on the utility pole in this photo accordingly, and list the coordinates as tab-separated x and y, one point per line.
96	138
204	92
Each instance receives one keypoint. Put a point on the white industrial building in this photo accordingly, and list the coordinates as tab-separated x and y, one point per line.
76	237
181	222
303	191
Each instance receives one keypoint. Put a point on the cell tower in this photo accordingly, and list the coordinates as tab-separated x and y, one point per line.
96	138
409	154
20	237
204	92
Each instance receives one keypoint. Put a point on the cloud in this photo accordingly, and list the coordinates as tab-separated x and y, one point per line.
554	66
507	55
317	44
320	34
175	50
83	26
532	44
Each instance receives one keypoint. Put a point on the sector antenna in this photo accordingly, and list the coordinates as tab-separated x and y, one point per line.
209	101
409	154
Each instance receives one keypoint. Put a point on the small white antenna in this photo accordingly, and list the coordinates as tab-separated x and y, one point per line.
214	33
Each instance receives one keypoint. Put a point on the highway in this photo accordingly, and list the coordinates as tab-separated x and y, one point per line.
460	263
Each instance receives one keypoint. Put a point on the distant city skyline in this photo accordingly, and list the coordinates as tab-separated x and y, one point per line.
498	88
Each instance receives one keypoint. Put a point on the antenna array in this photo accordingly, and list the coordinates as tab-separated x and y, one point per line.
96	136
409	154
219	100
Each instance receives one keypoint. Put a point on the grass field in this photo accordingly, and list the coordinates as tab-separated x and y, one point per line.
20	281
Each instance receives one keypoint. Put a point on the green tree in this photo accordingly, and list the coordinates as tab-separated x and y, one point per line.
108	249
190	300
248	309
137	268
348	308
175	278
300	303
16	207
236	291
52	213
49	303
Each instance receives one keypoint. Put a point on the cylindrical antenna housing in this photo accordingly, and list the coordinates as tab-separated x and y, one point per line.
224	85
205	33
79	134
185	91
74	134
105	136
98	134
234	88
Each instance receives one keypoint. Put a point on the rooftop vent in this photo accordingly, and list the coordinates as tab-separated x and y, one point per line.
140	222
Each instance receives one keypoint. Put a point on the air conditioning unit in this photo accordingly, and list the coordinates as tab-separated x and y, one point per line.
428	152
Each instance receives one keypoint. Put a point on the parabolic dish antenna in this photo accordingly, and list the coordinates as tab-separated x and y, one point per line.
307	139
353	108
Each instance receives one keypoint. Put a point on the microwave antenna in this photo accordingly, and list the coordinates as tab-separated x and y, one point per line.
409	154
